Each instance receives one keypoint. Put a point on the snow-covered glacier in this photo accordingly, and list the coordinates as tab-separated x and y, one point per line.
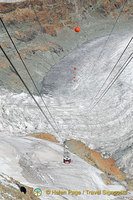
108	128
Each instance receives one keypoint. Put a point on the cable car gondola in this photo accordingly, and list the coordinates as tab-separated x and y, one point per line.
66	157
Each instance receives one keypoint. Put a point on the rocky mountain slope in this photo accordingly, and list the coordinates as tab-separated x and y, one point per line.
44	33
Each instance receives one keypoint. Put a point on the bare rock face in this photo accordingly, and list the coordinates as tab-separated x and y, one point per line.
51	15
94	158
54	15
35	26
25	36
44	136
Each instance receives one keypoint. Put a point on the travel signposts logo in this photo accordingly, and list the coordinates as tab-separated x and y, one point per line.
37	192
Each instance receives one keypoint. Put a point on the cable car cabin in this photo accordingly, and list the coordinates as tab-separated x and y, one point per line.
66	159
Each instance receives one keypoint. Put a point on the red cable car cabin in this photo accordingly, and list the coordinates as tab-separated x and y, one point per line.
66	159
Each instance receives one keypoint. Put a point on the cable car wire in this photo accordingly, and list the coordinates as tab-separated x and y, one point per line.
116	21
111	72
27	88
113	80
41	28
109	86
112	28
27	71
104	48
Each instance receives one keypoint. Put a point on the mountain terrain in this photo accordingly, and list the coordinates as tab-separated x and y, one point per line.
101	139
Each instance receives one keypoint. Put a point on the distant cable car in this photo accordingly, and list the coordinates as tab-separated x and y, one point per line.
66	157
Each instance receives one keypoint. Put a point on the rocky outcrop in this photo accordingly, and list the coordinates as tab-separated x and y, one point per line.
54	15
94	158
27	21
10	189
25	36
44	136
111	8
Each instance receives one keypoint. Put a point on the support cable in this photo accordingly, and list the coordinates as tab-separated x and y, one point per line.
27	71
112	28
110	72
113	80
27	88
116	21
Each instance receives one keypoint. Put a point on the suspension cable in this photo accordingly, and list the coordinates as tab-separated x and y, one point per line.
110	72
116	21
28	71
27	88
113	80
112	28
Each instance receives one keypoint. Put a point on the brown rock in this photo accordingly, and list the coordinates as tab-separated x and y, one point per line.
44	136
25	36
32	49
94	158
106	179
55	14
50	30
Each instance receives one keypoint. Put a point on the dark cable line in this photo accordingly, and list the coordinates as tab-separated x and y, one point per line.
111	32
27	88
113	80
111	71
112	28
27	71
108	38
43	34
104	92
109	87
